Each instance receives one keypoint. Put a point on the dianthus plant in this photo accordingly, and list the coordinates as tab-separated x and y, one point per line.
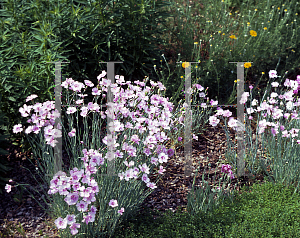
80	184
286	108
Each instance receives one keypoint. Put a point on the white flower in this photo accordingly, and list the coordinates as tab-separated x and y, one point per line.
289	105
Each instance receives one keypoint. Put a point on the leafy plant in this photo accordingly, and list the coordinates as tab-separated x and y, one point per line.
24	51
4	164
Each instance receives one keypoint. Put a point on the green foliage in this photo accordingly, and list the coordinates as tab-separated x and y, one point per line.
113	31
4	164
268	210
24	49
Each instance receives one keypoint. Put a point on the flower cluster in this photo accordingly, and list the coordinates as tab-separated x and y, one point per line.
276	112
227	169
63	184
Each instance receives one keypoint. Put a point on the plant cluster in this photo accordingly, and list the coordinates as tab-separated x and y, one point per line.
93	158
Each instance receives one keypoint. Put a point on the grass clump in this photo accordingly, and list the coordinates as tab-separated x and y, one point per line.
267	210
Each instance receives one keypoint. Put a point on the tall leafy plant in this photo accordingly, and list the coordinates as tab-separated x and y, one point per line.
25	49
106	31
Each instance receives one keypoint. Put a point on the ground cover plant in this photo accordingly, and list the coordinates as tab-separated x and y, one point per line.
248	214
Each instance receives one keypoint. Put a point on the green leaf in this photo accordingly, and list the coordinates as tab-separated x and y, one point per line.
11	99
17	200
5	168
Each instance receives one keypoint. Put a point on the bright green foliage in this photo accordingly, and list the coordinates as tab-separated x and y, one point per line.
267	211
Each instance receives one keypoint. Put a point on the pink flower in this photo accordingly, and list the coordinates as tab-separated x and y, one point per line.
170	152
145	178
224	168
272	74
71	110
151	185
113	203
73	227
8	188
17	128
121	211
29	98
72	198
70	219
213	103
61	223
93	210
162	158
81	206
88	218
213	120
88	83
161	170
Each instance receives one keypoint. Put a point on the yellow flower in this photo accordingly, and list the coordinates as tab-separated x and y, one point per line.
219	31
223	34
285	10
255	10
232	37
253	33
196	43
230	14
181	77
293	51
265	28
279	8
248	23
247	65
235	81
185	64
196	66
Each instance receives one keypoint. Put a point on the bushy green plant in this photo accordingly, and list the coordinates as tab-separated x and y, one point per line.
24	50
113	31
